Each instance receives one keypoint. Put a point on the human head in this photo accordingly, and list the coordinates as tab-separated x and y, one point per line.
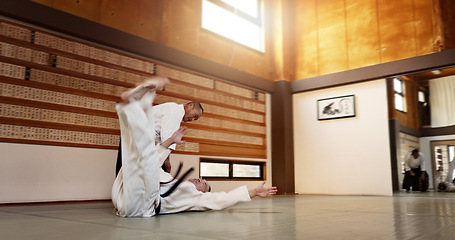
415	153
201	184
193	111
442	186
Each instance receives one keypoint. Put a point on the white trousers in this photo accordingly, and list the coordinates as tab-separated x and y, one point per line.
136	191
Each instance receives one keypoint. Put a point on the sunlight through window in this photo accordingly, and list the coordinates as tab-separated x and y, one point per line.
249	7
239	21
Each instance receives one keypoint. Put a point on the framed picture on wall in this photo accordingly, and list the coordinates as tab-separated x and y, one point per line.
336	107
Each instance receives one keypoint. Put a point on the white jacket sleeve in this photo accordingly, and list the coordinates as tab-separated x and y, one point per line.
221	200
162	153
171	122
422	165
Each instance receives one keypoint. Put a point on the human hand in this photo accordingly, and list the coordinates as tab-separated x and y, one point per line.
264	192
178	135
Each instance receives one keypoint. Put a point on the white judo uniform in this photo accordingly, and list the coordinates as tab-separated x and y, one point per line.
168	117
137	190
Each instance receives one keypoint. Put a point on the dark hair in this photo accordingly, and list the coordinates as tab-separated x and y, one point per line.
196	104
415	151
442	186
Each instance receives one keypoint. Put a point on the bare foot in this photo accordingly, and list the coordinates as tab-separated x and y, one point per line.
159	81
138	92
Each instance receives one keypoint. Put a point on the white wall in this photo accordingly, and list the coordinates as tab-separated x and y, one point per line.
34	173
349	156
37	173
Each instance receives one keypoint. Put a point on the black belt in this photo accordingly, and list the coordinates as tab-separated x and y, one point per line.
172	189
157	209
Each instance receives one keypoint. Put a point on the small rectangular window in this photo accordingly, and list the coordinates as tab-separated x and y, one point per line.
231	169
211	169
451	150
246	170
421	97
400	103
398	85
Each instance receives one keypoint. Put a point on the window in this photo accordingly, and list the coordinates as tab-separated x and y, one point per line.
240	21
213	169
227	169
399	95
451	150
422	97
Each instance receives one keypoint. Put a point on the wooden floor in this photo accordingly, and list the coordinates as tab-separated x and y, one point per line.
403	216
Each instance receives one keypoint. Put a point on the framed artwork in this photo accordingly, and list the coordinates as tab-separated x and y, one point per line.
336	107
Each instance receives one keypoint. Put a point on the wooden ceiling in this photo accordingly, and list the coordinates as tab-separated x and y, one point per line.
423	77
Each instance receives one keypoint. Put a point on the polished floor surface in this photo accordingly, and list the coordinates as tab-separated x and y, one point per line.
403	216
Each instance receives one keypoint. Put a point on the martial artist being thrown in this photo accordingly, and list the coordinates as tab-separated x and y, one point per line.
142	188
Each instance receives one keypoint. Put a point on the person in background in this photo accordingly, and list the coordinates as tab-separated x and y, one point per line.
415	176
448	185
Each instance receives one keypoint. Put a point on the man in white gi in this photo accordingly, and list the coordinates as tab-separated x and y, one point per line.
168	117
448	184
415	175
450	172
142	188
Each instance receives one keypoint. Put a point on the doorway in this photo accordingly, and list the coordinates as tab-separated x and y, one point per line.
442	156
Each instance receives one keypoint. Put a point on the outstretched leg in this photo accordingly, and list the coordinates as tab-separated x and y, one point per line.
145	94
136	189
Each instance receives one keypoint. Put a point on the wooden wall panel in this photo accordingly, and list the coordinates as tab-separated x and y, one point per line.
83	8
307	55
173	23
182	31
150	23
411	118
448	19
88	9
359	33
396	30
217	150
119	14
56	90
328	37
45	2
362	20
425	37
284	39
332	36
